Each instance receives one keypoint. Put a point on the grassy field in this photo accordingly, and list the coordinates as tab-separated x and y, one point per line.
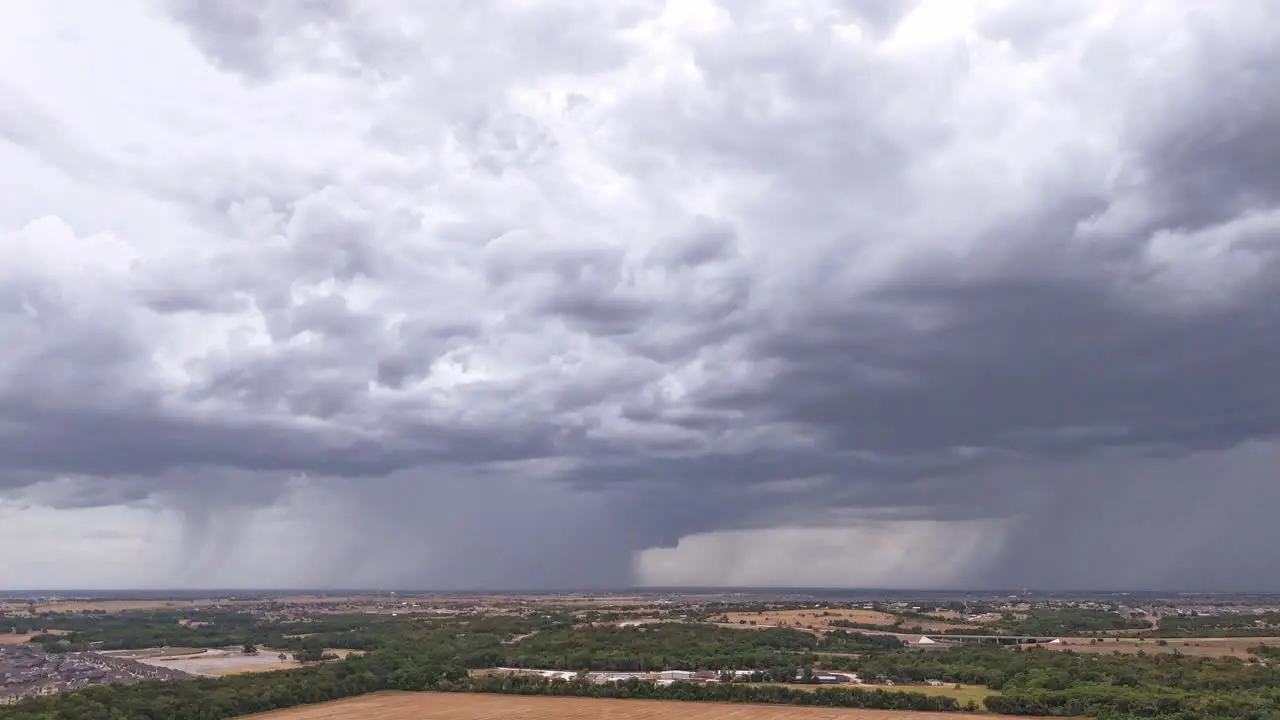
1201	647
18	639
820	620
812	619
468	706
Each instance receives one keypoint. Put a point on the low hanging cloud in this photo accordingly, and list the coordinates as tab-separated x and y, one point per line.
484	295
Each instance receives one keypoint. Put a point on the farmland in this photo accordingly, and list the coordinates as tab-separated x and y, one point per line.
827	619
461	706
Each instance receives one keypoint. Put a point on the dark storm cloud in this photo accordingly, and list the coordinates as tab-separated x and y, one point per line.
603	294
1029	366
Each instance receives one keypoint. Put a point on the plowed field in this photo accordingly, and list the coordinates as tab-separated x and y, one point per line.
464	706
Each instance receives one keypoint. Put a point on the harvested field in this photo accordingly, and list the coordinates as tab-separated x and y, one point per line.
822	619
464	706
1201	647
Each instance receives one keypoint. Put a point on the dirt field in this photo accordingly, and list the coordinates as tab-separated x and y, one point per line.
217	663
822	619
11	639
451	706
1203	647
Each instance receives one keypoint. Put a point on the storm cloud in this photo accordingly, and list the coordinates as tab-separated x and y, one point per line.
938	294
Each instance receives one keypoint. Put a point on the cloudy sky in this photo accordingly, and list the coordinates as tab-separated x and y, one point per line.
547	293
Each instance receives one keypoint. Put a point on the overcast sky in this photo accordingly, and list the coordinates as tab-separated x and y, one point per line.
547	293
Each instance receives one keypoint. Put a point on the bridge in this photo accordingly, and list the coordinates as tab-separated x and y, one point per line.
985	639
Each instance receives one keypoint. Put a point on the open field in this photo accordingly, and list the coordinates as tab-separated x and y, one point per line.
823	619
1202	647
812	619
156	653
948	615
18	639
218	662
464	706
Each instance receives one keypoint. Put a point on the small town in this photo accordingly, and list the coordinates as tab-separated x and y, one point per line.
27	671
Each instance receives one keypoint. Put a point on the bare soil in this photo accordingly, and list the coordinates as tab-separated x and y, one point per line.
222	662
464	706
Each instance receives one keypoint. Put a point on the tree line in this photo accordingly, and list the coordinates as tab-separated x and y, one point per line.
682	646
1037	681
209	699
423	655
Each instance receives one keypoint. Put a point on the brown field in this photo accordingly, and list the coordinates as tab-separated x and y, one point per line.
811	619
244	669
820	620
948	615
464	706
1202	647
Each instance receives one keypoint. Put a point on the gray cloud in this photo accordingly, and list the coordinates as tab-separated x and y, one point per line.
420	272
